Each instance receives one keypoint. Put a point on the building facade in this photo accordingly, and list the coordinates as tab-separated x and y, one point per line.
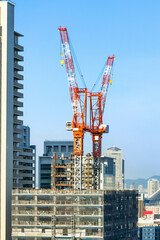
117	154
153	186
7	122
107	173
149	232
64	148
26	170
98	214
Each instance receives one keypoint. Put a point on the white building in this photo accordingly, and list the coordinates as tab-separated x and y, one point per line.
6	115
117	154
153	186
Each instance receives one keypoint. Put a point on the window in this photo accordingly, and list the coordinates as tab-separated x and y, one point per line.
56	149
63	149
70	148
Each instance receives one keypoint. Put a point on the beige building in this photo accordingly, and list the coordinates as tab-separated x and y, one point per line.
117	154
153	186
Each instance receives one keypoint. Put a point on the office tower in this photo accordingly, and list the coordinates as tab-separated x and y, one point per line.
153	186
117	154
45	161
107	173
26	170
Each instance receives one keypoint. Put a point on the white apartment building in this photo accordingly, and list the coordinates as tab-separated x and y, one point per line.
117	154
6	115
153	186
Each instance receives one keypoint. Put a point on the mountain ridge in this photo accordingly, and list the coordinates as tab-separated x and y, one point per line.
140	181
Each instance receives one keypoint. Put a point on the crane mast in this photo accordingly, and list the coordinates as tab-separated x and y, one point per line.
79	98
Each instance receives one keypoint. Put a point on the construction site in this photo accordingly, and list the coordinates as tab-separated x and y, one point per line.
75	207
48	214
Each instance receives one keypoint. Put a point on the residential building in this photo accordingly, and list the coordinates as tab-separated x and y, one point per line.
11	142
153	186
117	154
107	173
87	214
26	171
64	148
8	111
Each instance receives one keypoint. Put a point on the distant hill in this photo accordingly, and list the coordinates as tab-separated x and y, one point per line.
140	181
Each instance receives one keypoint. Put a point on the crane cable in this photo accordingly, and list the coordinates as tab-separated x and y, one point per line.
77	64
99	77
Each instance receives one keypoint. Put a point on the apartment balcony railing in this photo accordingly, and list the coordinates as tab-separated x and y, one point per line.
17	130
18	57
18	47
17	121
18	112
18	104
18	76
18	94
18	85
18	67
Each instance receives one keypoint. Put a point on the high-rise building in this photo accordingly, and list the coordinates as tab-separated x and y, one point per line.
153	186
117	154
12	157
107	173
7	122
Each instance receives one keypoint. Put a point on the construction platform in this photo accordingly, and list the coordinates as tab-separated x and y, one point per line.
66	214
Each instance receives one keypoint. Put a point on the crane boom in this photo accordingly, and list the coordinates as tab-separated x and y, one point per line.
106	80
70	69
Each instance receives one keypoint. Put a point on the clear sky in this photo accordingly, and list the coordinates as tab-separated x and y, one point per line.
130	30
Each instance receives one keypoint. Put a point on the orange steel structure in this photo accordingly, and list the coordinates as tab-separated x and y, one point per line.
79	98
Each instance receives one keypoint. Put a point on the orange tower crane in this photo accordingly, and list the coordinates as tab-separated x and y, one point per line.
79	98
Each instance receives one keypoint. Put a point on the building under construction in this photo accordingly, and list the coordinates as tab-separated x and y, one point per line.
86	214
75	207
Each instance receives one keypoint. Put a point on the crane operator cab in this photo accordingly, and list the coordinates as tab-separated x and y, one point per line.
69	126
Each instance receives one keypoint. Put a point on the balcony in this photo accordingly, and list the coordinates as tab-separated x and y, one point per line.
18	85
18	113
18	47
17	130
18	57
18	76
30	154
27	160
17	158
17	149
25	167
18	104
17	140
18	67
17	121
18	94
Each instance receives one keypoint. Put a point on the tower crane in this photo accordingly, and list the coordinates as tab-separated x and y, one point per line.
79	98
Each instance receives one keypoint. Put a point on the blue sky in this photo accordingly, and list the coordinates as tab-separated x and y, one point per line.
97	29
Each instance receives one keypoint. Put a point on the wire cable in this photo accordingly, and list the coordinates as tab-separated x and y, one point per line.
99	77
77	64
